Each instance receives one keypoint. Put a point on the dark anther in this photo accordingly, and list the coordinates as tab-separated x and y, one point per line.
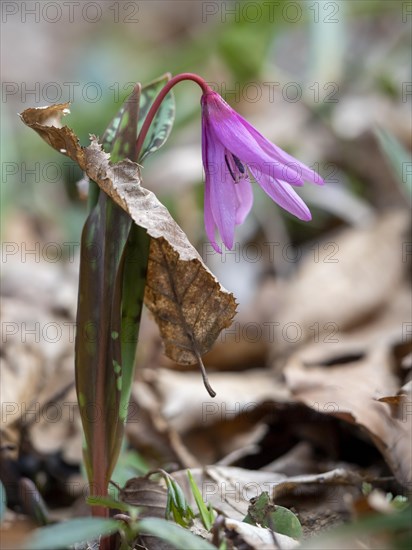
239	165
230	170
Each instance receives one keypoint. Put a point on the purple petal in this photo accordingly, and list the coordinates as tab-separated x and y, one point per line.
244	194
223	206
224	124
284	196
306	173
210	225
243	140
220	195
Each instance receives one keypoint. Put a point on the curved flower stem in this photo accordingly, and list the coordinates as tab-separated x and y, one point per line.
156	104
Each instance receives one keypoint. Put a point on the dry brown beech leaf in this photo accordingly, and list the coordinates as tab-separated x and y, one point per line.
353	277
151	497
46	121
353	391
229	489
146	493
256	537
189	304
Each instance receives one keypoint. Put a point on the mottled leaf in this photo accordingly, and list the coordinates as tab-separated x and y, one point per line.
98	348
120	135
131	276
162	123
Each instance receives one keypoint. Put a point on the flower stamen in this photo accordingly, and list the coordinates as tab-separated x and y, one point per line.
230	169
235	167
240	166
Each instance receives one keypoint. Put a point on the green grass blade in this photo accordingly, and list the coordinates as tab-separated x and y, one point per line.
206	513
398	157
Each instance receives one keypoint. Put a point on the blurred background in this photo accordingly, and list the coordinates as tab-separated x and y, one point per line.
328	81
317	79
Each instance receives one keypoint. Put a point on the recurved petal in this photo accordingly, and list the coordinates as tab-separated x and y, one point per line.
284	196
252	148
231	133
243	143
292	165
244	195
225	125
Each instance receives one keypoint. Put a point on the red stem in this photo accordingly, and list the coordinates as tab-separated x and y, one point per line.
156	104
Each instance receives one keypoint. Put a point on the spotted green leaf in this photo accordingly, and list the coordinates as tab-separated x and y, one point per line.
163	121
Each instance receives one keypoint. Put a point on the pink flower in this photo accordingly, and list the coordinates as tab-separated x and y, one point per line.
232	151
